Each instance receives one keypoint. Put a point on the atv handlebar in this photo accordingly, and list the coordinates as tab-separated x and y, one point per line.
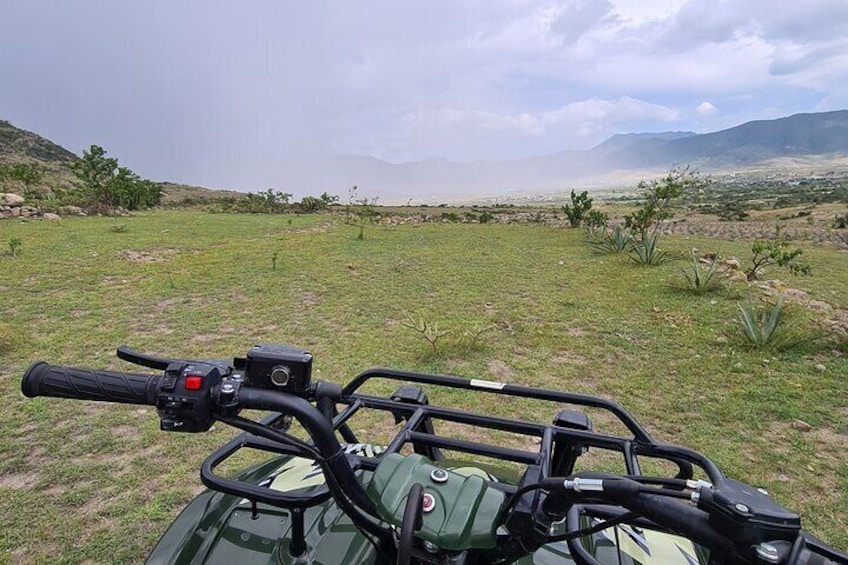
189	396
42	379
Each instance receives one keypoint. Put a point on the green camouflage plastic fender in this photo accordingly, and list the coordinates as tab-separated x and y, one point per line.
465	510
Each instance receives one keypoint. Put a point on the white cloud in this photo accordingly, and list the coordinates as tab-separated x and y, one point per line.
706	109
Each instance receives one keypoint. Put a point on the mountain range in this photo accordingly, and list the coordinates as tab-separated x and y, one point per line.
616	161
752	143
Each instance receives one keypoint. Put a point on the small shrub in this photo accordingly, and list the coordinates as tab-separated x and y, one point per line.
15	246
430	332
596	219
485	217
470	339
580	205
646	251
472	335
775	252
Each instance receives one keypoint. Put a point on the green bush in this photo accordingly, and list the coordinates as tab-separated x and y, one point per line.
580	205
102	182
597	219
15	246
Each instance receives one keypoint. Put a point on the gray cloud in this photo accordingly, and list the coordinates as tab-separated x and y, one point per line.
220	93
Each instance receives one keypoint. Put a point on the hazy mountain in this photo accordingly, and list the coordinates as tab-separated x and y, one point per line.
747	144
624	140
801	134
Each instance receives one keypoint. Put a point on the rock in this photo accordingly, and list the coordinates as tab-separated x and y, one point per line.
737	276
734	264
72	211
819	305
16	212
795	293
801	425
11	199
51	216
821	368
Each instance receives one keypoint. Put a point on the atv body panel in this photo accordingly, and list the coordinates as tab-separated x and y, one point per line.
222	529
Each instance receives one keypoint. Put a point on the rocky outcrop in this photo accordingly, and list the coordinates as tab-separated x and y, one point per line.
13	206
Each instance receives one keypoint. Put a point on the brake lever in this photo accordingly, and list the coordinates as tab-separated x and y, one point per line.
143	359
162	363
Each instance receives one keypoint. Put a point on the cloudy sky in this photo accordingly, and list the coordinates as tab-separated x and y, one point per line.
218	93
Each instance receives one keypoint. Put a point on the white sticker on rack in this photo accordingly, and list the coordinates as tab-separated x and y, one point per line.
487	384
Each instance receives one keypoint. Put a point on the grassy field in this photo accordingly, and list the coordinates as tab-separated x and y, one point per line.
97	483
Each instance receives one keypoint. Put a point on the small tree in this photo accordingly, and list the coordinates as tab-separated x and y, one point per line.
103	182
580	205
94	172
775	252
658	197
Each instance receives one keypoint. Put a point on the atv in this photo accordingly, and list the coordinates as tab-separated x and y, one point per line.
329	498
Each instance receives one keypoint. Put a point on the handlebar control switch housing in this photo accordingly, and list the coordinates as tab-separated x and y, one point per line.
279	367
184	400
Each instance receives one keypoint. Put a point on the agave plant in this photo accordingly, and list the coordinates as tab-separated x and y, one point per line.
702	279
645	250
618	240
761	326
595	233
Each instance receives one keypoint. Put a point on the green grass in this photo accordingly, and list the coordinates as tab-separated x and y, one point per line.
80	479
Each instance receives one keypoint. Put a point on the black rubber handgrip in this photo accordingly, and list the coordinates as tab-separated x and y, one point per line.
43	379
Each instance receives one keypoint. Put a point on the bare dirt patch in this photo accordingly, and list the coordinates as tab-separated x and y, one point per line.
18	481
309	299
499	369
149	256
568	358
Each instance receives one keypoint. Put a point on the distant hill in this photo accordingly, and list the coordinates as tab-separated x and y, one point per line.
18	145
624	140
752	142
621	156
21	146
